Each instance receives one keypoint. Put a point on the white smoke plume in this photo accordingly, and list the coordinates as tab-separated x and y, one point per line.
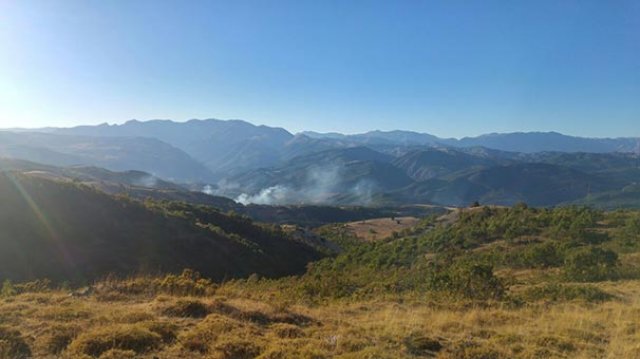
320	185
208	189
148	181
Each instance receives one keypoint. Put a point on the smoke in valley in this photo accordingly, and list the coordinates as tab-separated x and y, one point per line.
318	185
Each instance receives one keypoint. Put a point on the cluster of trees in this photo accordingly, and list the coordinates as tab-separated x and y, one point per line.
461	259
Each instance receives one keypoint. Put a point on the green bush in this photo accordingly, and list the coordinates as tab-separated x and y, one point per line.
471	281
629	232
543	255
565	292
590	264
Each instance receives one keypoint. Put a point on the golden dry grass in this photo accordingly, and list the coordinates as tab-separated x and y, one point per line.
380	228
235	323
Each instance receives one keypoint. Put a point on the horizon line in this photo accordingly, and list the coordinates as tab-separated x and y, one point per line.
115	124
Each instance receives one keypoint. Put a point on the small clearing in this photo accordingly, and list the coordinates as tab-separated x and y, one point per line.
381	228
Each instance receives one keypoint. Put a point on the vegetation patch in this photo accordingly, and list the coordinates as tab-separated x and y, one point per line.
200	338
134	337
186	308
12	344
58	338
591	264
118	354
565	292
417	344
230	348
286	331
470	349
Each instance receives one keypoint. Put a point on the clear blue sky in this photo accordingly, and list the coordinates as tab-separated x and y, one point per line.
452	68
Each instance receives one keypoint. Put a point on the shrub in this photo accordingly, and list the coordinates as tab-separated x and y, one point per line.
421	345
8	289
59	337
629	233
36	286
167	331
133	337
188	283
590	264
235	349
473	350
12	344
547	254
118	354
186	309
287	331
564	292
469	280
200	337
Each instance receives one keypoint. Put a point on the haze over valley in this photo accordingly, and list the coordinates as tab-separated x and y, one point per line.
271	166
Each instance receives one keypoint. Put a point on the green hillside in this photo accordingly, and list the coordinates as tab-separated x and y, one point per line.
66	231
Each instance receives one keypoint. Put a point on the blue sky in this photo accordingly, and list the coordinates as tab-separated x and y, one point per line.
451	68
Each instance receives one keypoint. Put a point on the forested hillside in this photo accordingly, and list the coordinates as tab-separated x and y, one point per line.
65	231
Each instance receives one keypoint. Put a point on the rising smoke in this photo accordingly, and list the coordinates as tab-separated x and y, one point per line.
318	185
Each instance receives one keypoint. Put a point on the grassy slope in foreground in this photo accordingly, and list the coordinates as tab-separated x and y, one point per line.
497	283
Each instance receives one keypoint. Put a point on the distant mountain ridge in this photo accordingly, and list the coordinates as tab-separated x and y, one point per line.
269	165
525	142
219	144
222	146
115	153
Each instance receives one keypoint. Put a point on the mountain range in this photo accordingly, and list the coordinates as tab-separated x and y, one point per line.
267	165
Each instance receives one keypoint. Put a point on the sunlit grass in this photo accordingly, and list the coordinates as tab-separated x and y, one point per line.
231	324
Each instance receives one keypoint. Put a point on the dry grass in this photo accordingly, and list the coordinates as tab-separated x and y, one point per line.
238	326
380	228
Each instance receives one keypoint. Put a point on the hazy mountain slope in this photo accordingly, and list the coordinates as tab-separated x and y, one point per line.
320	178
536	184
51	229
527	142
530	142
135	184
446	176
588	162
628	197
437	162
117	153
232	147
222	146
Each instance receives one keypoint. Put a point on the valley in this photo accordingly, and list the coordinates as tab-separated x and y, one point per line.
263	165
